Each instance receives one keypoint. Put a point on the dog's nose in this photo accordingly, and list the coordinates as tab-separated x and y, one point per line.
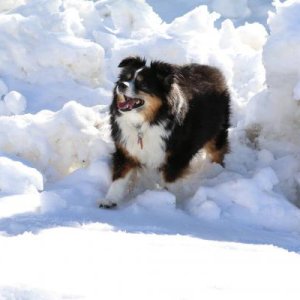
122	85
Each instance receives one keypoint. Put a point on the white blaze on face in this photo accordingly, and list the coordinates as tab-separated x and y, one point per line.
130	85
117	89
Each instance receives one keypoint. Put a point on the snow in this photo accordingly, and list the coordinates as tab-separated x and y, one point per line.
227	233
15	102
19	187
202	270
240	11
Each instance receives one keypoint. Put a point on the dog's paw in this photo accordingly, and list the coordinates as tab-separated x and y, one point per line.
107	204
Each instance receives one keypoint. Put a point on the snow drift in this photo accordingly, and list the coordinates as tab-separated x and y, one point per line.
61	45
58	64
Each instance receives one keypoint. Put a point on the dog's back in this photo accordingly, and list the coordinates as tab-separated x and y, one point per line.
207	118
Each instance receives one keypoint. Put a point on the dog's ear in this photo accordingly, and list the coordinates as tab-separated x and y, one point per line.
164	72
133	61
177	103
169	80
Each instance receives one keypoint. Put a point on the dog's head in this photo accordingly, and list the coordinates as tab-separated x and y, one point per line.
146	89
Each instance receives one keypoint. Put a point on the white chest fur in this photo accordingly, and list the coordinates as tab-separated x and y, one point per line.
151	152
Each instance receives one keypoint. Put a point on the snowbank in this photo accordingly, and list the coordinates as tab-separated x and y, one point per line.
92	262
19	187
58	64
281	60
60	142
56	48
273	115
46	40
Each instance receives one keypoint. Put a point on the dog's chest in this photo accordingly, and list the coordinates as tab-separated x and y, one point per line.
144	142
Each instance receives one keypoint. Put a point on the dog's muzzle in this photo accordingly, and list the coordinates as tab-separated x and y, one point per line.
130	103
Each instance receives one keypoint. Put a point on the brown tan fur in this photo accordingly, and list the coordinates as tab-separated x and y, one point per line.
121	169
153	105
216	155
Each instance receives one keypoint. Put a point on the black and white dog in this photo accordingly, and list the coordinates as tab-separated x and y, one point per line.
162	115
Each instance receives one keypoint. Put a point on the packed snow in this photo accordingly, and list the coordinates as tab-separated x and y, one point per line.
222	233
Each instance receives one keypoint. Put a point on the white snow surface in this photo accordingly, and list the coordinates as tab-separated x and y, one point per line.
222	233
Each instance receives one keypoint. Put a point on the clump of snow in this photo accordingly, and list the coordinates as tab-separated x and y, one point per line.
204	208
13	205
248	34
17	178
11	103
10	4
281	60
51	202
132	18
161	201
57	142
15	102
38	49
19	187
274	112
250	200
46	44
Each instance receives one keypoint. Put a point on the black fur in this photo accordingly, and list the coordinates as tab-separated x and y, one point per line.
195	108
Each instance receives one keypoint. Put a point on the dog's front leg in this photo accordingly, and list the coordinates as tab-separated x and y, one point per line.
116	191
123	168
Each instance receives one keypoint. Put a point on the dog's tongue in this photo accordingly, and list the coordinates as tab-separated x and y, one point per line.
127	104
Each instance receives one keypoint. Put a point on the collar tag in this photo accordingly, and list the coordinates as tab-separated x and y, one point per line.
140	140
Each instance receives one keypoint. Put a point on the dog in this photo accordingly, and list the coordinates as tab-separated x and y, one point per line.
161	116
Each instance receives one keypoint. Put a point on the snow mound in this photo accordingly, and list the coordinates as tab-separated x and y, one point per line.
15	102
252	201
17	178
131	18
272	117
281	60
10	4
46	39
60	142
160	201
19	187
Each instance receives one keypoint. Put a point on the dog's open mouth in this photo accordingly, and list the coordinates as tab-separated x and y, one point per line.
130	103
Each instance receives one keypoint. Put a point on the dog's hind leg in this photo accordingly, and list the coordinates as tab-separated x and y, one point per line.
177	166
217	147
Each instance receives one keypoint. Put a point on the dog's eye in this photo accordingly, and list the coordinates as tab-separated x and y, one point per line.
144	87
128	76
139	77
